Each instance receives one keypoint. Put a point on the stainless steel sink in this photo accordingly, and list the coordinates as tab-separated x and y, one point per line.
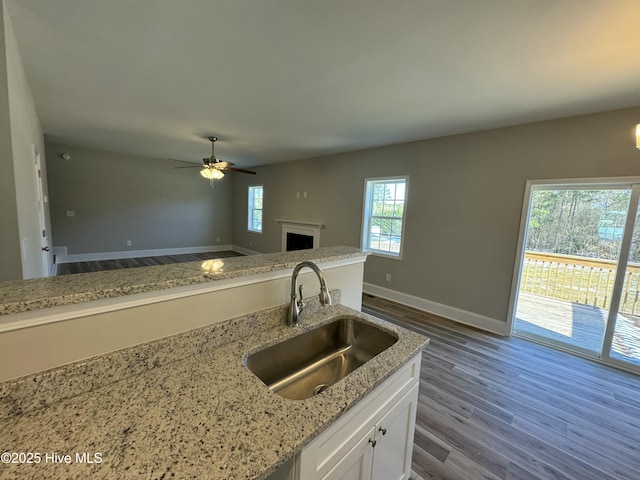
307	364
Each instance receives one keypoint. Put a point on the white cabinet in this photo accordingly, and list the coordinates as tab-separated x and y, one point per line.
394	440
373	440
356	464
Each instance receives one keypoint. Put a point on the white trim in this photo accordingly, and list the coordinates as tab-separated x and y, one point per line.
453	313
309	229
621	272
63	257
575	183
300	222
34	318
519	260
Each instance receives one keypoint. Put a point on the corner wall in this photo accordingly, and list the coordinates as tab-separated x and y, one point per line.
20	136
10	264
464	206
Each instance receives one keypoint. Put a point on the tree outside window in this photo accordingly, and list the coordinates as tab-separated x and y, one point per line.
384	214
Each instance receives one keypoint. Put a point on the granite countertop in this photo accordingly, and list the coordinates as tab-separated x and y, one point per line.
28	295
181	407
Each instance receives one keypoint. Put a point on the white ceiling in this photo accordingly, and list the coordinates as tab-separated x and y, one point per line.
280	80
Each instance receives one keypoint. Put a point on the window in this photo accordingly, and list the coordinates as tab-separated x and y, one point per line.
384	213
255	209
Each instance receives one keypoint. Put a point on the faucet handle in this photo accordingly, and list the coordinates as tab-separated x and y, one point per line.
301	303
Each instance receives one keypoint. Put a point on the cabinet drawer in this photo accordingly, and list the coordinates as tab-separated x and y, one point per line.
326	450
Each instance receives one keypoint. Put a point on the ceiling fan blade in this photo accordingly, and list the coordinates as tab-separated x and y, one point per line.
184	161
190	166
220	164
239	170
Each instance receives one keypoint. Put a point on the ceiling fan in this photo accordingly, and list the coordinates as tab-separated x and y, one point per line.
214	169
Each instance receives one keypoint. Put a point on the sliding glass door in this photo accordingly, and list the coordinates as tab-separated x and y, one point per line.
624	332
578	282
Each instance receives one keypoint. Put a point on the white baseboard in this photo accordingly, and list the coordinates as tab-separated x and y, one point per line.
452	313
244	251
63	257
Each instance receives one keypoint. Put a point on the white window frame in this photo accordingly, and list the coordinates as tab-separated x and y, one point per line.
367	215
251	209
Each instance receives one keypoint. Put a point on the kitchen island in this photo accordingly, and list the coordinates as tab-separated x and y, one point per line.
185	406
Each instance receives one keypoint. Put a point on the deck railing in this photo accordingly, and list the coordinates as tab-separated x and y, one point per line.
584	280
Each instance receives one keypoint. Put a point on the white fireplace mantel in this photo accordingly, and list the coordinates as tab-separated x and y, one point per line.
302	228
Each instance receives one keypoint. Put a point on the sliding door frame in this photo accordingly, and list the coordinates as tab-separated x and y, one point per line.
632	183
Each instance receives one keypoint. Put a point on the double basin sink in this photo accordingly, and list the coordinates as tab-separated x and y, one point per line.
307	364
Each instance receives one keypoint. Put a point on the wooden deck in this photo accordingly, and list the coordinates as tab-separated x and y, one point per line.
577	325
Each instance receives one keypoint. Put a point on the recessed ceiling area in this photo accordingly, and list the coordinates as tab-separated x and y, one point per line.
282	80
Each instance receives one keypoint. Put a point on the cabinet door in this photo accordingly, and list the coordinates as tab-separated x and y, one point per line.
355	465
394	440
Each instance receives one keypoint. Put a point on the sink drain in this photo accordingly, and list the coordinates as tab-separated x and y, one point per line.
320	388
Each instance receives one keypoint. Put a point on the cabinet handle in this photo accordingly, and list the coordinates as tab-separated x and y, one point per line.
373	442
383	430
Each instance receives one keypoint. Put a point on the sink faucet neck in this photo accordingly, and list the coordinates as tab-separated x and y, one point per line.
297	305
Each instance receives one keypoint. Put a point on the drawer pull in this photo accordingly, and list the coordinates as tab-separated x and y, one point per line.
373	442
383	430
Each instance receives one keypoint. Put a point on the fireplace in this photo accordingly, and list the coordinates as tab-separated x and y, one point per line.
298	241
299	235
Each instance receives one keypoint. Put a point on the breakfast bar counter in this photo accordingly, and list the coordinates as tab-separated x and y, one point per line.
181	407
41	293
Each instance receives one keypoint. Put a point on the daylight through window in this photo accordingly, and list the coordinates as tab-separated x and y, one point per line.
255	209
384	213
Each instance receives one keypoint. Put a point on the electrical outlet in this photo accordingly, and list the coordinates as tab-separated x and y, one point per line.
387	277
128	243
71	213
250	243
218	239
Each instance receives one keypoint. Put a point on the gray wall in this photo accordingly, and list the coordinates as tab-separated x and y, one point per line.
20	135
118	197
10	264
464	206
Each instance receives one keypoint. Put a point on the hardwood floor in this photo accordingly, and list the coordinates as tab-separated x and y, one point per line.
96	266
492	407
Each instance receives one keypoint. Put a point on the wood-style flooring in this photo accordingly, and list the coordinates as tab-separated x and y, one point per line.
494	407
99	265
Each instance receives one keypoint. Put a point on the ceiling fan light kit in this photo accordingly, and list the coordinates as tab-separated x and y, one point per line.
214	169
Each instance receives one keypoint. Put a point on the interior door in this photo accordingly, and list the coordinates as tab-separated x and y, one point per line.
42	205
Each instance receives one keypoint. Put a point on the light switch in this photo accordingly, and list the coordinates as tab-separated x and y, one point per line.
71	213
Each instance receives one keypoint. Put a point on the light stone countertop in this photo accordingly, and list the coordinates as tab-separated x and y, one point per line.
28	295
182	407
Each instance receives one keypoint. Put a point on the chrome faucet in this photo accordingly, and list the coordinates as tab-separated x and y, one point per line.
297	305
